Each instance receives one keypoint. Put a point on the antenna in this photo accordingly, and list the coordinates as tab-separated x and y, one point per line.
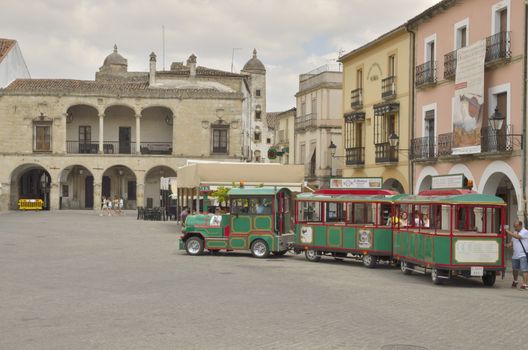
233	56
339	54
163	43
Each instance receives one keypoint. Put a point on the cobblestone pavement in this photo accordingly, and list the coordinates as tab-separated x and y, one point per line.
74	280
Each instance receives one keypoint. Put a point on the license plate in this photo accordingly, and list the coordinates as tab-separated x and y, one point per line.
477	271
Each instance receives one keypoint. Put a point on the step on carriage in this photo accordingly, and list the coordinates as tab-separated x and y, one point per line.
345	223
450	233
259	221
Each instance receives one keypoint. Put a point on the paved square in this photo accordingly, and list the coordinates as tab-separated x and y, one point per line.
74	280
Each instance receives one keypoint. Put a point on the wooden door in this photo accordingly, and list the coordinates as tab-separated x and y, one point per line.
124	139
88	192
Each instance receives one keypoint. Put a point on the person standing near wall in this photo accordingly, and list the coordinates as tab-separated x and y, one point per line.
519	257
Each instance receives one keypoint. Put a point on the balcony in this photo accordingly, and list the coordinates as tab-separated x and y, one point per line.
385	153
450	65
355	156
116	147
283	137
82	147
156	148
356	98
423	149
492	140
306	121
498	47
426	74
388	88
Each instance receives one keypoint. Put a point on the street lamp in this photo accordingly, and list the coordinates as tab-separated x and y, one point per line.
394	140
496	120
332	149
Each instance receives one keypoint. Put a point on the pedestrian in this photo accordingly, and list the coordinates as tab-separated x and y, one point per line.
520	255
115	205
109	206
104	207
183	215
121	206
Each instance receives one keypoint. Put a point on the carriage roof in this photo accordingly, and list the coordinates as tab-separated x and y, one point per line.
470	198
344	198
256	191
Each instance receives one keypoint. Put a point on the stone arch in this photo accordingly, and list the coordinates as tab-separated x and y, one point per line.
84	103
76	188
156	130
152	184
120	181
425	179
393	184
30	181
462	169
119	129
82	128
500	179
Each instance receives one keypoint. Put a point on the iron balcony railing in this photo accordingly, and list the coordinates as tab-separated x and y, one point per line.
498	47
426	74
156	147
385	153
388	87
492	140
306	121
445	144
82	147
423	148
356	98
450	65
355	155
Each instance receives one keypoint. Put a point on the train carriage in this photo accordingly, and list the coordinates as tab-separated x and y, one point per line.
259	221
345	224
450	233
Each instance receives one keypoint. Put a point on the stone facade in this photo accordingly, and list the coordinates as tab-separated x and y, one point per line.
62	140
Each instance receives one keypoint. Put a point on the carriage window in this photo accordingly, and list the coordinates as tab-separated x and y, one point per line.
260	206
240	206
335	212
309	211
361	213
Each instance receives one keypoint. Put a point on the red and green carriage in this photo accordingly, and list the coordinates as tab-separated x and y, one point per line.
450	233
259	221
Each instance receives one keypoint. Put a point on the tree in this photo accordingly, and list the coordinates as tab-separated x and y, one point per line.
221	195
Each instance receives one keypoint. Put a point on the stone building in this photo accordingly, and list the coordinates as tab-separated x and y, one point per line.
71	142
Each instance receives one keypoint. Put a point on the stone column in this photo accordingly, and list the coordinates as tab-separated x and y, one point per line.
97	195
479	219
138	133
64	121
140	194
54	195
101	132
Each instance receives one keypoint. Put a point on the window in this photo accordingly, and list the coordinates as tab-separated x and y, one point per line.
85	139
302	153
42	137
361	213
257	136
257	93
392	65
252	206
220	138
309	211
461	37
258	112
314	107
303	108
384	125
335	212
359	78
240	206
268	140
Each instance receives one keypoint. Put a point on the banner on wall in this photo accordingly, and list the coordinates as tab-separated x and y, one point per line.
469	98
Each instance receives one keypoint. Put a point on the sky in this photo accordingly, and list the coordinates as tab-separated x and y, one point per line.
69	39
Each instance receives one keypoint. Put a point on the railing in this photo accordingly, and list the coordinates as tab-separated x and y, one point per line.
156	147
385	153
356	98
388	87
83	147
498	46
306	121
355	155
492	140
450	64
445	144
423	148
426	74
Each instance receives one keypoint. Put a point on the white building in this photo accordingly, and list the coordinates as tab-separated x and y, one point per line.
12	64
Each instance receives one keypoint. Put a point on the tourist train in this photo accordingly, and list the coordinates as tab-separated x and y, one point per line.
445	232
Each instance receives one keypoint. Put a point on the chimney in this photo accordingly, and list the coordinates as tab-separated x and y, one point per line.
191	63
152	70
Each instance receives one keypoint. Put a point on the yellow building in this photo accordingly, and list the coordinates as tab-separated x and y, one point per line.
377	108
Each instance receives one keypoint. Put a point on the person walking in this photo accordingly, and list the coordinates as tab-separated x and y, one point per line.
519	257
121	206
183	215
109	206
104	207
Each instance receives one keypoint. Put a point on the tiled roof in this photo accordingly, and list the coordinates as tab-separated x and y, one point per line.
5	46
105	87
271	119
180	69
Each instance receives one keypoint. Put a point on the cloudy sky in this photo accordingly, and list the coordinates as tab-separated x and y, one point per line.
71	38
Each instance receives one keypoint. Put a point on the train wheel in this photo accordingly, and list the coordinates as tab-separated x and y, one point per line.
369	261
489	278
194	246
259	249
312	255
435	276
405	267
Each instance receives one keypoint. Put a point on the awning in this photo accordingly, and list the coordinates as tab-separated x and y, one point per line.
354	117
384	108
